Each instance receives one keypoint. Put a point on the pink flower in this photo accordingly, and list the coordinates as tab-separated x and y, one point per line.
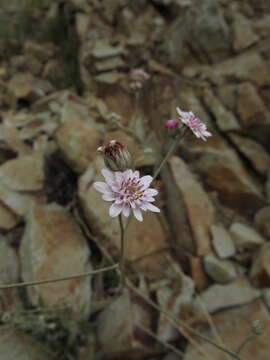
141	73
171	124
127	191
195	124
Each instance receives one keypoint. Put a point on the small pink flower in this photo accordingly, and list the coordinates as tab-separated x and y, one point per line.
141	73
171	124
195	124
127	191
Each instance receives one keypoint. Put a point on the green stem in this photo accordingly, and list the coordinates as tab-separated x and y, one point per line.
169	153
246	340
122	253
182	324
40	282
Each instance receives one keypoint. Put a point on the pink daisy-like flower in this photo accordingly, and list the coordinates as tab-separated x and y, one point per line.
171	124
195	124
127	191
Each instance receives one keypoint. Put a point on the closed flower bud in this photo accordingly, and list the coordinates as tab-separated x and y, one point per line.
257	327
116	156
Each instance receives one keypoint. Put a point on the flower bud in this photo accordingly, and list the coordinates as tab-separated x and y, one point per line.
116	156
257	327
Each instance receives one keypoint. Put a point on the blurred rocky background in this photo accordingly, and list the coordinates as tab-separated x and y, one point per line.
65	89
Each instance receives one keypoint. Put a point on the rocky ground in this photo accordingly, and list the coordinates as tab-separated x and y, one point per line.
65	89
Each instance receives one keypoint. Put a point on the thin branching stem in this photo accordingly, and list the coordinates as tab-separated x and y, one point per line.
250	336
62	278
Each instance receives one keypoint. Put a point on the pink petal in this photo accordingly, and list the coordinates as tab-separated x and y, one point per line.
126	210
138	214
108	175
101	187
108	196
115	209
146	181
152	207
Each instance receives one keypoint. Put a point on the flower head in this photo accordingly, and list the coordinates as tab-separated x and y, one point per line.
140	73
171	124
127	191
195	124
116	155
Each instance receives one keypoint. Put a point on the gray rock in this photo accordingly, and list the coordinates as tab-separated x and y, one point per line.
222	241
102	50
219	297
243	34
245	237
221	271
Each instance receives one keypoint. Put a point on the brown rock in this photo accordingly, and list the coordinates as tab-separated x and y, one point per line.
14	344
218	297
118	328
7	218
243	34
233	326
245	237
250	107
253	151
78	141
53	246
200	210
223	171
24	173
222	241
260	270
262	221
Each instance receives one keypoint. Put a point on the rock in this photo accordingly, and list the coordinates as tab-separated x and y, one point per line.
222	241
222	170
243	34
221	271
102	50
42	52
262	221
245	67
110	64
262	25
118	330
9	274
7	218
199	210
14	174
173	299
51	237
245	237
78	140
232	326
227	94
250	107
218	297
15	344
253	151
260	270
109	78
225	119
147	248
82	25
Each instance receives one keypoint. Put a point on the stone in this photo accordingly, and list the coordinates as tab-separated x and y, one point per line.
42	52
198	207
8	219
245	237
14	174
78	140
82	25
253	151
9	274
118	330
245	67
102	50
15	344
222	241
110	64
174	299
110	77
147	249
232	326
260	269
218	297
221	271
262	25
250	107
223	171
53	246
227	95
226	121
243	34
262	221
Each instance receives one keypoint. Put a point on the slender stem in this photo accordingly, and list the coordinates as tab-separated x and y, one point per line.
40	282
122	253
169	153
181	323
247	339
